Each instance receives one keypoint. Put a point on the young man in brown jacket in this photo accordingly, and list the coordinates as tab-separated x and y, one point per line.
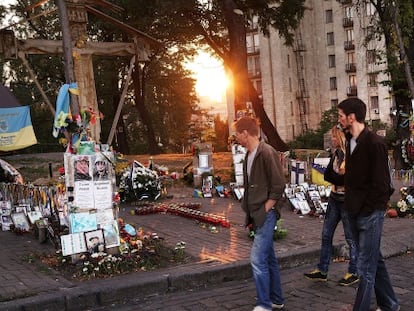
264	185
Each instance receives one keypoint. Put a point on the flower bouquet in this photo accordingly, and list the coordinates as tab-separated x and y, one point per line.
139	183
405	206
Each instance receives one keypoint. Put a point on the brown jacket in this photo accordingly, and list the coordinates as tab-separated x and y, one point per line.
266	182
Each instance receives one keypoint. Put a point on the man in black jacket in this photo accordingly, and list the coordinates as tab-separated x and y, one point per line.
367	189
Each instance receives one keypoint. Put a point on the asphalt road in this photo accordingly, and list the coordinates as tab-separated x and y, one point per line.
300	294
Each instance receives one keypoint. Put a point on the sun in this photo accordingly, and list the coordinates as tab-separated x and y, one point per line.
211	78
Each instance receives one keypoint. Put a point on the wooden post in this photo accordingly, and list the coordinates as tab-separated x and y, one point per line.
67	53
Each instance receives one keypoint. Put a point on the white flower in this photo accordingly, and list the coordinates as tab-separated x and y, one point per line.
402	205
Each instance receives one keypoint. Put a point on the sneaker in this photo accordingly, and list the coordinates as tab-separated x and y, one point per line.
348	279
316	275
260	308
398	309
277	306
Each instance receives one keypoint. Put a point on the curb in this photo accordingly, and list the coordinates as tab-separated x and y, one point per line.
119	289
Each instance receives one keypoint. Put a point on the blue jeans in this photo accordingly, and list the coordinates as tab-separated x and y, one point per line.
264	264
367	231
334	214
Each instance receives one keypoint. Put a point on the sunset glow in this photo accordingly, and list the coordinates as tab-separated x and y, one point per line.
211	77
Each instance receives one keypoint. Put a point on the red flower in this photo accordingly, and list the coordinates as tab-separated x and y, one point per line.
61	170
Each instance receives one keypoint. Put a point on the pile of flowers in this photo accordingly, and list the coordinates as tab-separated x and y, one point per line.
405	206
138	251
139	183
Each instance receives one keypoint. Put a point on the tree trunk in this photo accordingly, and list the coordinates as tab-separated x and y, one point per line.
120	133
243	86
139	86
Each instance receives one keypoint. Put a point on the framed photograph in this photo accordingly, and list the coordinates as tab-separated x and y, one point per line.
20	221
34	216
81	222
73	244
203	161
111	234
86	148
95	241
6	221
5	207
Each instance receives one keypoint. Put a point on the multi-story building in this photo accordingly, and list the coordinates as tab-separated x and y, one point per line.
328	62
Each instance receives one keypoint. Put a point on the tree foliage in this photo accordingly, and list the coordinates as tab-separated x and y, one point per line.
165	100
164	94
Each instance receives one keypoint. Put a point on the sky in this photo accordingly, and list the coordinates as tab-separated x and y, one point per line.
211	80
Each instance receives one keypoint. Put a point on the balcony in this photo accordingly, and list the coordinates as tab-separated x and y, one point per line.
352	91
349	45
254	73
347	22
253	49
350	67
302	94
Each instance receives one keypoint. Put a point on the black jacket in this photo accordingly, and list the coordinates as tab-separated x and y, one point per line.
367	177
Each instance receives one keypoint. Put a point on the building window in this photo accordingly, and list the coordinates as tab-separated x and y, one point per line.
259	87
302	61
330	38
253	66
349	35
328	16
332	83
369	8
352	80
350	57
334	103
288	60
292	111
290	85
252	43
348	12
371	56
372	79
374	102
331	61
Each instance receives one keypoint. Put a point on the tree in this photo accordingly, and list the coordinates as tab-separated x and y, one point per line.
395	22
221	25
221	128
164	91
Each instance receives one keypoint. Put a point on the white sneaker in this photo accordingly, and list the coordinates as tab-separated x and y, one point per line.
398	309
260	308
277	305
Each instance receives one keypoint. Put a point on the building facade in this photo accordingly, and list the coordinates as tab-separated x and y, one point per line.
328	62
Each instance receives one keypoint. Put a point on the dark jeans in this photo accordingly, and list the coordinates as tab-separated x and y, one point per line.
367	231
334	214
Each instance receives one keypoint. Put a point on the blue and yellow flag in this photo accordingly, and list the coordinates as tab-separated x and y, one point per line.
16	130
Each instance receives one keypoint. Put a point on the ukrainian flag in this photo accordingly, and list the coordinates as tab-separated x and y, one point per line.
317	175
16	130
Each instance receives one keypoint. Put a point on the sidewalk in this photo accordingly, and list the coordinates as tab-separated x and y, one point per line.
222	255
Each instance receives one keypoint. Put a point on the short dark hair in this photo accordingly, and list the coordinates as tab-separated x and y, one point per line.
251	125
356	106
